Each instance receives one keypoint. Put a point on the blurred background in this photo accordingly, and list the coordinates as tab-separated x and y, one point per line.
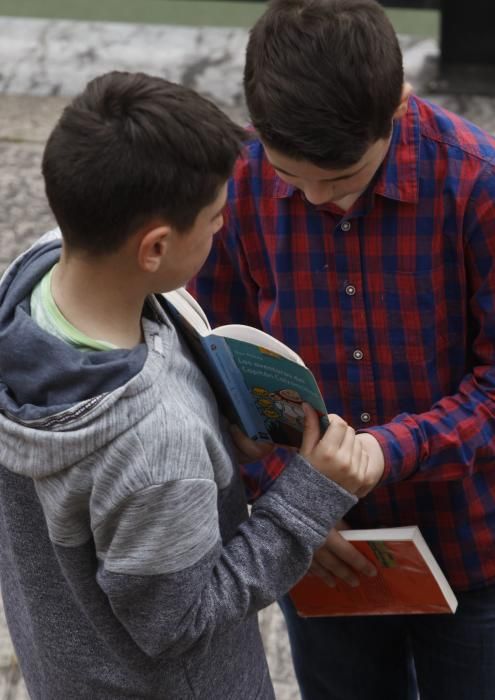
49	49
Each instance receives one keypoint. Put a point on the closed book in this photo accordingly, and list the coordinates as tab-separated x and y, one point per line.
408	580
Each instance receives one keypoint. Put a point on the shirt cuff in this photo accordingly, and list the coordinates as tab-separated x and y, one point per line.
401	449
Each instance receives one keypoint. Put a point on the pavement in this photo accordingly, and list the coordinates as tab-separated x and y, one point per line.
43	63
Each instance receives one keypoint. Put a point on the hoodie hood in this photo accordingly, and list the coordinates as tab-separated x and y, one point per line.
52	394
41	374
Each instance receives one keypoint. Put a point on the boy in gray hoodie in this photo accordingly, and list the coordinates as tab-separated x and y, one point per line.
129	566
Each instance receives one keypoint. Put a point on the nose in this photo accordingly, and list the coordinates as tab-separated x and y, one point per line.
318	194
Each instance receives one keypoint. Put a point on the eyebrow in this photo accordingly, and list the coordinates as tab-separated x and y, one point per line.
347	176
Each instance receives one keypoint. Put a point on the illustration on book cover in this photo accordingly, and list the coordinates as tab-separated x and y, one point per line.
278	389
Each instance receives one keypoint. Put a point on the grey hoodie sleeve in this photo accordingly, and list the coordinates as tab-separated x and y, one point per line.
173	583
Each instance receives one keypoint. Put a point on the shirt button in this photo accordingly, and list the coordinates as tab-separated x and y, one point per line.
365	417
350	290
357	354
345	225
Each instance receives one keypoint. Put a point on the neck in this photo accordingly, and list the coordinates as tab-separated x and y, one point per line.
100	297
347	202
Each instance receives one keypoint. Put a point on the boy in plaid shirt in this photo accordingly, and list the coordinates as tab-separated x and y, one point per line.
360	230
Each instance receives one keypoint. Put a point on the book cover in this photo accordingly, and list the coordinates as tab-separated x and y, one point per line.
259	382
277	388
409	580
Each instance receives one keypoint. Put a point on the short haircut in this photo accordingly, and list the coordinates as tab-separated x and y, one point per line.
323	78
132	149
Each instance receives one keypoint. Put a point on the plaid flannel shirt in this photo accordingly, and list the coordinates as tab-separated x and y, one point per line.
392	306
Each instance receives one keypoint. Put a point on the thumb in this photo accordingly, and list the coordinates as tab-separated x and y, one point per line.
311	434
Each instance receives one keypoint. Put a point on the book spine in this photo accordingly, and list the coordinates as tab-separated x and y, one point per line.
235	391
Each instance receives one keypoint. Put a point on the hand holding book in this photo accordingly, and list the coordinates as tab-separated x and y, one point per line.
248	450
340	454
265	388
338	559
407	579
337	454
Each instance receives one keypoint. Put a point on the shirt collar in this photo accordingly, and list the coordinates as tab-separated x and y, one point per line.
281	189
397	177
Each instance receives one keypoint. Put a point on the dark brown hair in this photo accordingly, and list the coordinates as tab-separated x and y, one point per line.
323	78
132	148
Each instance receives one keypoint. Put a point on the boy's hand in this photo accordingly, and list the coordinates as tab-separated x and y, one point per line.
337	455
248	450
339	559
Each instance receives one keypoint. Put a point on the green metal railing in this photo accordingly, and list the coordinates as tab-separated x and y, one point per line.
235	13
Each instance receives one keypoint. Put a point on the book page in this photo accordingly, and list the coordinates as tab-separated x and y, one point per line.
188	307
403	532
248	334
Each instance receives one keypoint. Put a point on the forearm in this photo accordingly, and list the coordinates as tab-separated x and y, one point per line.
448	442
171	612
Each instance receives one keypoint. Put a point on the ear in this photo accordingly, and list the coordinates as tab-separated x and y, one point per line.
402	108
153	247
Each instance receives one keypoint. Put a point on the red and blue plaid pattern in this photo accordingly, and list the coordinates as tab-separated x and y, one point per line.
392	305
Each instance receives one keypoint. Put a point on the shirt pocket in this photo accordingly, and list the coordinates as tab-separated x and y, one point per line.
416	312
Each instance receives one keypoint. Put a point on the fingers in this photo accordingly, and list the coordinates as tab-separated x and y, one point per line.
249	450
341	560
340	454
337	434
335	567
311	434
322	573
347	552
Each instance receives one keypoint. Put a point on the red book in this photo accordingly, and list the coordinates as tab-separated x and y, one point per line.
409	579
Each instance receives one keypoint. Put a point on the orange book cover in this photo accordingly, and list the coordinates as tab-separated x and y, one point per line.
409	580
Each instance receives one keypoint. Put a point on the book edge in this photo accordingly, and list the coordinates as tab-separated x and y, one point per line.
413	534
255	336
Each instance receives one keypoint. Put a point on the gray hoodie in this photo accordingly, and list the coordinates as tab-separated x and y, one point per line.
129	566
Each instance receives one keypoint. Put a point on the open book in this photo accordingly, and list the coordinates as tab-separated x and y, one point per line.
260	383
409	579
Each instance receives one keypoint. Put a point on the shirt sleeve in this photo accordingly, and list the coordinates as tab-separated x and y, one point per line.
457	435
173	583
